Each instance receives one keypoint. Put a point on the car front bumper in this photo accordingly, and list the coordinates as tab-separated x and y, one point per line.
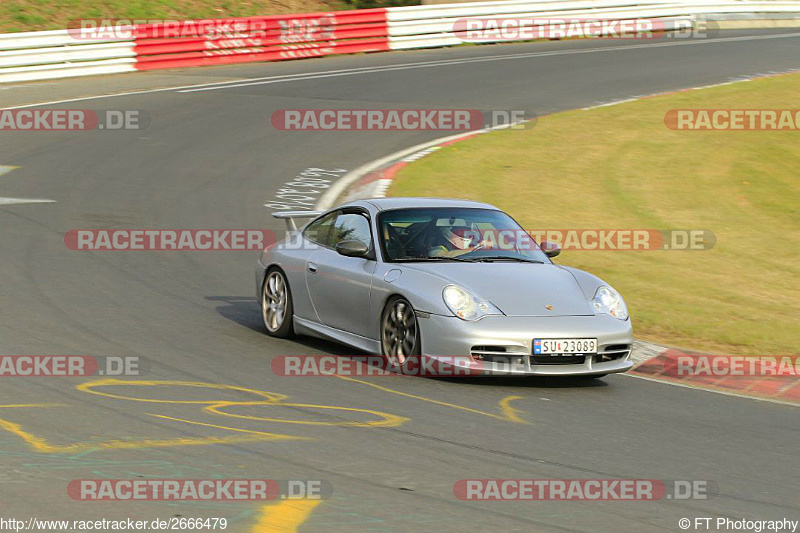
502	345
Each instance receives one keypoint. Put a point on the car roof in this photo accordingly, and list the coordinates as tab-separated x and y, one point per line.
385	204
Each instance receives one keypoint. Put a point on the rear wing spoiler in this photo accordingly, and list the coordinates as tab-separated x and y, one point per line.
290	216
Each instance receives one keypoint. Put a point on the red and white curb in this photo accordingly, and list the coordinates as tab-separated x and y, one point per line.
724	379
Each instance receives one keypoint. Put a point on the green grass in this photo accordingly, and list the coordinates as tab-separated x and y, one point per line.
34	15
621	167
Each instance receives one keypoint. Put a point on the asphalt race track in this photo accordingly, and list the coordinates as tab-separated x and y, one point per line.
210	159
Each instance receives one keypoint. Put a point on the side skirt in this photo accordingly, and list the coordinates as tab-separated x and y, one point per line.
315	329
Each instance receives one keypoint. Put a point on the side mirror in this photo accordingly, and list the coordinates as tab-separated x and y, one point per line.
550	249
352	248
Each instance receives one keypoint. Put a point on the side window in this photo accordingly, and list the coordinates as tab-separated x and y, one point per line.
319	231
352	226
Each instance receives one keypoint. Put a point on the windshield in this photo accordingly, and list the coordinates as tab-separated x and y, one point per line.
456	234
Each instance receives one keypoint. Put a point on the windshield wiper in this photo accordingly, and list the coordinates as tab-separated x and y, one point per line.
434	258
507	258
446	258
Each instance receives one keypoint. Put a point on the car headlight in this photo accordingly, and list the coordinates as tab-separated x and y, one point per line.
466	305
608	301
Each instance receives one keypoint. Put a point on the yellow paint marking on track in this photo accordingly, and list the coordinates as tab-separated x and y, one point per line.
267	436
213	406
15	405
41	444
90	386
168	443
37	443
509	413
284	517
389	420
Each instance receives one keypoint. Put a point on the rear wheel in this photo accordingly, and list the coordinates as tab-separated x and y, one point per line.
400	339
276	305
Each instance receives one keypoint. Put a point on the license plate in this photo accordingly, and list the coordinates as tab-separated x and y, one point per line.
564	346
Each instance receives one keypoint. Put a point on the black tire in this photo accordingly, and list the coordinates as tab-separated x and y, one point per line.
398	327
276	304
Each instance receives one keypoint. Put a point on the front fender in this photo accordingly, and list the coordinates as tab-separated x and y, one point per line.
589	283
423	290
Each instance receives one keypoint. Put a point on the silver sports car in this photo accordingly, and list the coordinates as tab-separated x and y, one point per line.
450	280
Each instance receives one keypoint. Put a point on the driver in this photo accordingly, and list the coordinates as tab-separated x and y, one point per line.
452	241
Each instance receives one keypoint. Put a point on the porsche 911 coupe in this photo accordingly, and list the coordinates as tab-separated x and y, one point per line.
440	278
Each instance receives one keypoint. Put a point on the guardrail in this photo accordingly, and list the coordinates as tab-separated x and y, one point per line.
60	54
109	50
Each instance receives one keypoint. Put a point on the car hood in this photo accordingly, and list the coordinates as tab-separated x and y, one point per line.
517	289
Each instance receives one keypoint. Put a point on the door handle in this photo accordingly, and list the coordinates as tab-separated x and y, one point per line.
312	267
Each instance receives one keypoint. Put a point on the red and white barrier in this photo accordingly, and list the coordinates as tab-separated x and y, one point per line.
262	39
99	49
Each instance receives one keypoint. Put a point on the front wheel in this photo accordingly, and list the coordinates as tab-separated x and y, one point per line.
400	339
276	305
